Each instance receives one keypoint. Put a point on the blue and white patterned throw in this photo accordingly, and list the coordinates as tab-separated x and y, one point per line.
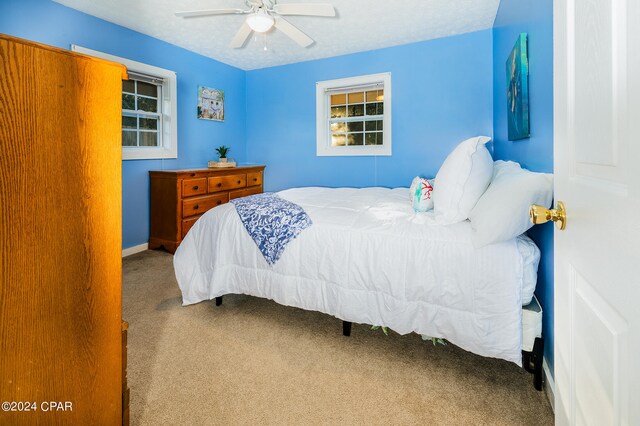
271	222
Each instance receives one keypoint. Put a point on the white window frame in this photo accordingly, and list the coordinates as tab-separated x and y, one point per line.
323	116
169	120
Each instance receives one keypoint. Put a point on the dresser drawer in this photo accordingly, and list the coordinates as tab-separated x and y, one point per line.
224	183
187	224
192	187
199	205
245	192
254	179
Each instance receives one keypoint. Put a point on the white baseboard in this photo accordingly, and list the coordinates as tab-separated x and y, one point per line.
549	384
135	249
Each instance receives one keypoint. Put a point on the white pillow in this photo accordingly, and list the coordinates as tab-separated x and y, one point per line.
502	212
462	179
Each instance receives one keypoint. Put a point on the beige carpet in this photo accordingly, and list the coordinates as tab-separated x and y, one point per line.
252	361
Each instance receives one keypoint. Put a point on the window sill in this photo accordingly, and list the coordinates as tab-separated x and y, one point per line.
345	151
148	153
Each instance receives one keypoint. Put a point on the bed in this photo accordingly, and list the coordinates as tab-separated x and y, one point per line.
370	258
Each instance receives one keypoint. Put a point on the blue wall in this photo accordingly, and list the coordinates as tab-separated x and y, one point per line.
50	23
535	153
441	95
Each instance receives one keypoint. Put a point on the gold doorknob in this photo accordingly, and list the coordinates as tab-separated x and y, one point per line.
539	214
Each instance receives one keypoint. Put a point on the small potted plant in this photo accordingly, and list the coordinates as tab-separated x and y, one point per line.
222	153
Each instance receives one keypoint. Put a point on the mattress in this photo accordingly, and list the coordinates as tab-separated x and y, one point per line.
369	258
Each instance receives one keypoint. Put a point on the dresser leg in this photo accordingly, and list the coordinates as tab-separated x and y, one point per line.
156	243
218	300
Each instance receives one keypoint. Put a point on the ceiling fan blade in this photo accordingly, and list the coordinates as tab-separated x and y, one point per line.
293	32
241	36
306	9
209	12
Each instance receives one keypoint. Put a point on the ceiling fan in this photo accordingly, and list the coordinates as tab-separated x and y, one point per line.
264	14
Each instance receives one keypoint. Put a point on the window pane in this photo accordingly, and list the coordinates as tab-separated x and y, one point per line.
374	138
356	110
129	122
128	86
149	123
338	140
373	125
340	99
379	140
129	102
146	104
129	138
148	138
355	126
375	95
354	138
338	127
147	89
370	139
375	109
338	111
356	98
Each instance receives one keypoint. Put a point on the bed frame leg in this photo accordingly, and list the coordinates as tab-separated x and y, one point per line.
538	354
532	362
218	300
346	328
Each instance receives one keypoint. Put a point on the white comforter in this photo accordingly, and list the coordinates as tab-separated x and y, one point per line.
368	258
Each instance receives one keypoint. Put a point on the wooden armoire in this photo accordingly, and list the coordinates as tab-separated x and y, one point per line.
60	245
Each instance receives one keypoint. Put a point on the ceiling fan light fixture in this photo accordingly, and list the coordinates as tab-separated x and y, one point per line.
260	22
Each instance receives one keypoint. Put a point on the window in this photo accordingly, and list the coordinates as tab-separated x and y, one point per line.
353	116
141	111
149	109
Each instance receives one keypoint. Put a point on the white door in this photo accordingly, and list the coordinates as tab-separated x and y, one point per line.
597	175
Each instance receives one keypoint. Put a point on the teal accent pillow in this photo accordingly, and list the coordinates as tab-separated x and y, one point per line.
420	194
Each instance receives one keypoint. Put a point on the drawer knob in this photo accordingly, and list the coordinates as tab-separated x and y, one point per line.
220	185
239	182
255	179
196	207
195	188
219	202
193	174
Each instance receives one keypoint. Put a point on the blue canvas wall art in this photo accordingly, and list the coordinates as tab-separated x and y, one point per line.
518	90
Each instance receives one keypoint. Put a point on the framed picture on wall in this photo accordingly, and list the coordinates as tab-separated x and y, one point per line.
210	104
518	90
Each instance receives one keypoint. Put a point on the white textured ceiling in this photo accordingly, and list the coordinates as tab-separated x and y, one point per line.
359	25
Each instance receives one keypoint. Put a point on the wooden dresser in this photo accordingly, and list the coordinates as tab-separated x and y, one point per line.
61	236
180	197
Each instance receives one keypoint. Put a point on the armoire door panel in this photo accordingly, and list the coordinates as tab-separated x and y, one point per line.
60	179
